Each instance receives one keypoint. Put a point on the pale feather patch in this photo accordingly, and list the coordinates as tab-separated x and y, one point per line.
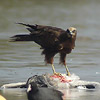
29	88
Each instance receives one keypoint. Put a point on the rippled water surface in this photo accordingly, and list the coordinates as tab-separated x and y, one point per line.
19	61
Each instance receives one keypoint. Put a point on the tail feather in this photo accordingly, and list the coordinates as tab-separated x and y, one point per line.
23	37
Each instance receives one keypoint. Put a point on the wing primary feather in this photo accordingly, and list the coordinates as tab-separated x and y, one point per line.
28	25
30	29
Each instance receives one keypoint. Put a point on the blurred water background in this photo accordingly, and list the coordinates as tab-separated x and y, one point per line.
19	61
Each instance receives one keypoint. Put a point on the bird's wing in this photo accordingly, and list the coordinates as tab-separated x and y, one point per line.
46	36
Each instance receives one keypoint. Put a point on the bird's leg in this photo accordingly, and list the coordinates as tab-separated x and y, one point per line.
49	59
68	73
53	68
54	72
63	61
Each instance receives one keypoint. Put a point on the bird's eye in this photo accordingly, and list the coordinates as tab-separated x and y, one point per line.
68	31
74	31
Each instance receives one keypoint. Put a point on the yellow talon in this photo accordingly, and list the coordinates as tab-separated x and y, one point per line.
58	74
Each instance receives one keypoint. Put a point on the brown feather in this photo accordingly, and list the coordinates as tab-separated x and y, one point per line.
52	40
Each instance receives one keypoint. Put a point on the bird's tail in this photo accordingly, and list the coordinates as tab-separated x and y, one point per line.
23	37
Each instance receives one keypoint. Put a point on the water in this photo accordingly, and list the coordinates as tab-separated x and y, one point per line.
19	61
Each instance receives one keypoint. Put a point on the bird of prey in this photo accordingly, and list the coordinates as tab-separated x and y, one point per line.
52	40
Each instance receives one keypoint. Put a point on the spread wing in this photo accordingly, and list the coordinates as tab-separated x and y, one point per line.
46	36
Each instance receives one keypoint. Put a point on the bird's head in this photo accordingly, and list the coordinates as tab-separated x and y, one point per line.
72	32
69	34
32	87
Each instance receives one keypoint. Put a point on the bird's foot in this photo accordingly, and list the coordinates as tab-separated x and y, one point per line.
58	74
68	74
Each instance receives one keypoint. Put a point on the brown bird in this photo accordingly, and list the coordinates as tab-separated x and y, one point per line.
52	40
